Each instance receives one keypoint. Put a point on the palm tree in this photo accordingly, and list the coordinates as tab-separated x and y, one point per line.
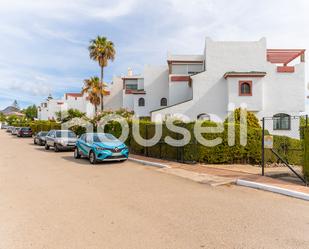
92	87
102	50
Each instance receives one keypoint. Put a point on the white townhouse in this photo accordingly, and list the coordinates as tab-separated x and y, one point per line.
48	108
227	75
269	82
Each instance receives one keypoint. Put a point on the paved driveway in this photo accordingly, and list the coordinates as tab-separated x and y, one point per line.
50	200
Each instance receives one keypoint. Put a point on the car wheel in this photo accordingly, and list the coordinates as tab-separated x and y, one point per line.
76	153
92	158
46	147
56	147
34	141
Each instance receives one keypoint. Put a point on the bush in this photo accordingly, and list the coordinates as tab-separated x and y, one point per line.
37	126
306	154
252	120
222	153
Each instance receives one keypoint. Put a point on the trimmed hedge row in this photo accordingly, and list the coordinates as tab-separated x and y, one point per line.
306	154
291	149
37	126
193	151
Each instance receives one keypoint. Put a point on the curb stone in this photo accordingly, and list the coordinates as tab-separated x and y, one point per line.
274	189
153	164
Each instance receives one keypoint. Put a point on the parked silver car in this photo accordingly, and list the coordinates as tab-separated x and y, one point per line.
15	130
9	129
60	140
40	138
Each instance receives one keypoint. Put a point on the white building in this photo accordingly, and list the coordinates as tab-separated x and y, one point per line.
269	82
47	109
225	76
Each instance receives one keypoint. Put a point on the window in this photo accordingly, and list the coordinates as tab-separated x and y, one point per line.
245	88
131	87
51	134
83	137
141	102
282	121
163	102
65	134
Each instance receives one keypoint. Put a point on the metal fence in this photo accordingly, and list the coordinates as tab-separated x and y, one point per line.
282	146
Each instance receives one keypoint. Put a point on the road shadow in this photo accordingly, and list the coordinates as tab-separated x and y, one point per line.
85	161
51	150
16	137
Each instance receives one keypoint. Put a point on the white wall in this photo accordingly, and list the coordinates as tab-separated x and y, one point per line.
78	103
156	84
141	111
179	91
128	101
284	92
210	89
255	102
114	101
48	112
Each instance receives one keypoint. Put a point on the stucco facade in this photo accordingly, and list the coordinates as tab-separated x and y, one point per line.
48	108
225	76
210	83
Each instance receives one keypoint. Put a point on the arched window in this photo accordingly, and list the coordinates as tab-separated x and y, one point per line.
245	88
163	102
141	102
203	116
282	121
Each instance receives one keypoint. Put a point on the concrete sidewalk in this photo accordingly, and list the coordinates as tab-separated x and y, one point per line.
228	174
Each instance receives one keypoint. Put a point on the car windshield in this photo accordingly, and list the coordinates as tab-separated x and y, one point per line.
25	129
68	134
43	134
101	138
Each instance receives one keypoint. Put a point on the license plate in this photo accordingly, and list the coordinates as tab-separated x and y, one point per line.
117	154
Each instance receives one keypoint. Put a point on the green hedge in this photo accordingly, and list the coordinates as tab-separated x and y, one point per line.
38	126
290	148
222	153
306	154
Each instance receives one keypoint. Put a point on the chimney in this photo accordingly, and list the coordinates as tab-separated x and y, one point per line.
130	72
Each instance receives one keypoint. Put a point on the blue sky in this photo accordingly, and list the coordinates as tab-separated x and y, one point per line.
43	45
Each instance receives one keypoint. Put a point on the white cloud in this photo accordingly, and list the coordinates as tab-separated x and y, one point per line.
69	9
44	42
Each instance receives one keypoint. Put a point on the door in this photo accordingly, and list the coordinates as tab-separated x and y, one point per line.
84	145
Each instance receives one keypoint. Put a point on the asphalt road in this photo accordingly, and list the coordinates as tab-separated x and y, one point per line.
49	200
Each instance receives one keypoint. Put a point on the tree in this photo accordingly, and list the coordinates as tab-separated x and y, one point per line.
252	120
64	116
12	118
31	112
2	117
93	89
102	50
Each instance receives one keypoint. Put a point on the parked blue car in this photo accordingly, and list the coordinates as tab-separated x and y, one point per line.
100	147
